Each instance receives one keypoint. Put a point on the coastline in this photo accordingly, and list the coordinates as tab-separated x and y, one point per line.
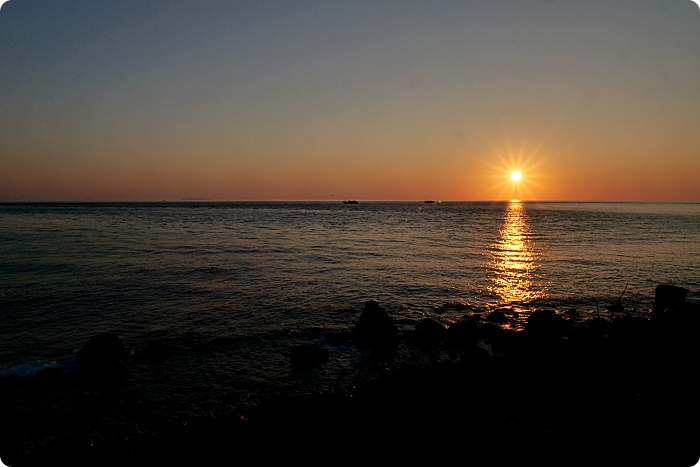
610	392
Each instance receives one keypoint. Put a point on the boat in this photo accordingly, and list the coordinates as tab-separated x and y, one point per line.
350	201
429	201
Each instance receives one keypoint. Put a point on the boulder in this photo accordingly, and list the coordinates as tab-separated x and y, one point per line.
669	296
473	354
308	355
375	328
545	323
463	333
488	330
629	326
428	332
505	341
497	317
598	325
104	350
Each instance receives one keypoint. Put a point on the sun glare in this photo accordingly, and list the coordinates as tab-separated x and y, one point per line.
514	172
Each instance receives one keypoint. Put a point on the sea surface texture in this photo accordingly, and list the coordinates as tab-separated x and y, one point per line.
224	289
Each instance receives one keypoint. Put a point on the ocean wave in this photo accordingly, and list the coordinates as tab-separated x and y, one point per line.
28	369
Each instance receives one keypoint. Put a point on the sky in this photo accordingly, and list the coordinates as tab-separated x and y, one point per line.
367	100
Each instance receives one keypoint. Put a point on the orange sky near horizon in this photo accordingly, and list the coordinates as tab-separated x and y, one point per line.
589	100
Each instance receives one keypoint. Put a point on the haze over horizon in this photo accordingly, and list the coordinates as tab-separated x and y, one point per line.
334	100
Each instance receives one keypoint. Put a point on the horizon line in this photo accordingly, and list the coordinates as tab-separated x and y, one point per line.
207	200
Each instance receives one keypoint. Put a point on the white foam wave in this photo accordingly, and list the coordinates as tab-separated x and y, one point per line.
27	369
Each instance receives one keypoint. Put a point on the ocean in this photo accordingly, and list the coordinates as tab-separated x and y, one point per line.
225	288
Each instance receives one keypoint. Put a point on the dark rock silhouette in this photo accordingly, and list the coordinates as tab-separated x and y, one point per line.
505	340
488	330
102	352
477	315
599	325
473	354
669	296
629	326
308	355
462	333
615	392
497	317
429	332
545	323
375	328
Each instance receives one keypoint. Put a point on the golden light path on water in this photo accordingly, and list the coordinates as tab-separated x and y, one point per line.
513	259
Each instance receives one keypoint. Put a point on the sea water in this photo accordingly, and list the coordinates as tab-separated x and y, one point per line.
227	287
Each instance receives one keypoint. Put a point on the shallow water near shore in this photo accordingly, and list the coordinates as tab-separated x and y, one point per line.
225	288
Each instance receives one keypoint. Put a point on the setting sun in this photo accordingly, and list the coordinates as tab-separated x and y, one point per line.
515	176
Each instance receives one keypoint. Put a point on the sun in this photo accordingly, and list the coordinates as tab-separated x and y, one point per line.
514	172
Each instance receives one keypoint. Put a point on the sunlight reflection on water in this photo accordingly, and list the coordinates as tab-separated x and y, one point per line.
514	260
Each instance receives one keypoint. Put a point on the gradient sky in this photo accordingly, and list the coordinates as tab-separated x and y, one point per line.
591	100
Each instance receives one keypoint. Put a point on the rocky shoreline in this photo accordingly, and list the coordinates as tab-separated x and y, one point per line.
618	391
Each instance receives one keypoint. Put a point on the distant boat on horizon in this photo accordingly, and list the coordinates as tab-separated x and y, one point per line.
429	201
350	201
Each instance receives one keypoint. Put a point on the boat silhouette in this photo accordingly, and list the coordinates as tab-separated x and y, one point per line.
350	201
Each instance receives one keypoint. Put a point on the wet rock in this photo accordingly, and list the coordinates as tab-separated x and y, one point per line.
615	309
427	332
598	324
103	351
308	355
497	317
545	323
430	332
463	333
669	296
488	330
473	354
476	316
629	326
375	328
505	341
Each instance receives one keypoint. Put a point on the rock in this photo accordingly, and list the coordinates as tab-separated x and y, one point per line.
615	309
505	341
431	329
497	317
308	355
488	330
545	323
630	327
428	332
102	351
473	354
476	316
598	325
463	333
375	328
669	296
